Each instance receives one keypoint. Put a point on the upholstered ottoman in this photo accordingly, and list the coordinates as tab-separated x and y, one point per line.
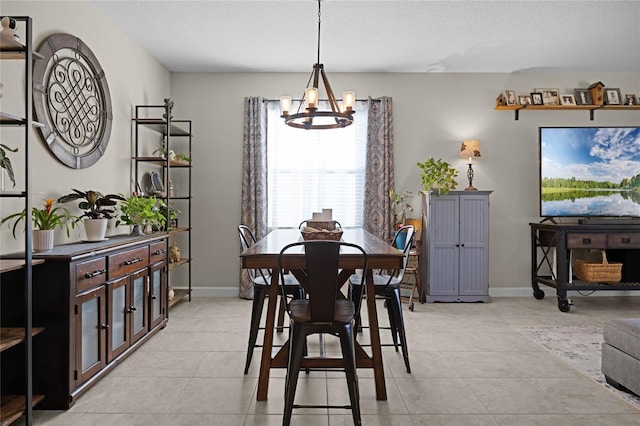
621	354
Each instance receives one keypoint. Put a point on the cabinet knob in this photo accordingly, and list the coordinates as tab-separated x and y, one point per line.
157	252
105	326
132	261
153	296
131	309
626	240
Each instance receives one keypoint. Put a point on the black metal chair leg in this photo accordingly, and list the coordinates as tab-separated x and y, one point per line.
297	340
348	355
397	302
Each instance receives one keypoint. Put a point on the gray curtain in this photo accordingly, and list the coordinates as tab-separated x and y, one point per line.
378	210
254	176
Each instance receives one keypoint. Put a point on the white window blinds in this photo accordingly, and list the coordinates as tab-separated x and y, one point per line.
308	170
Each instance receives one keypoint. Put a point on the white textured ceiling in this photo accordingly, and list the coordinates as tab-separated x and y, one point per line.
384	36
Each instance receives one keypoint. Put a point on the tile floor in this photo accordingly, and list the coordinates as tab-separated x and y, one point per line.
470	367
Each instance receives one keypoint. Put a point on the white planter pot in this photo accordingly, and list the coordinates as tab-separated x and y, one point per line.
96	229
42	239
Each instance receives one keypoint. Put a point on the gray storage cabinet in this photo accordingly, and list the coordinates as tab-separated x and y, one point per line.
456	239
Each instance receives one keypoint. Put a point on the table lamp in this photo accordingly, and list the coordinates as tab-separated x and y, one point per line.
470	149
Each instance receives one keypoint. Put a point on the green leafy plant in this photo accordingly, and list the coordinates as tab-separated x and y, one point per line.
400	205
438	175
171	217
141	210
182	157
94	204
48	217
5	162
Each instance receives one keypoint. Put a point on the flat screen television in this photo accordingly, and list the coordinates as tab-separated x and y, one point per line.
589	171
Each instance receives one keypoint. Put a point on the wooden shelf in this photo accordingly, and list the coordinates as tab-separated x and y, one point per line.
161	126
178	295
14	120
590	108
11	336
173	265
179	229
7	265
162	162
12	407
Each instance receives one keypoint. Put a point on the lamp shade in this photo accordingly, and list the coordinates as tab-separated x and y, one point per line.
470	149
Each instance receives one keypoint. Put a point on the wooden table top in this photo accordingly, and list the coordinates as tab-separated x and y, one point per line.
264	253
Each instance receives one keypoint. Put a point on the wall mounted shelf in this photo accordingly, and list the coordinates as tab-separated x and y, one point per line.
590	108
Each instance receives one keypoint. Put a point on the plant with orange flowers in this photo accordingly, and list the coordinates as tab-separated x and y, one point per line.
48	217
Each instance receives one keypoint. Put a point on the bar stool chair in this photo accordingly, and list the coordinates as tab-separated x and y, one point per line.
415	286
387	286
261	279
325	311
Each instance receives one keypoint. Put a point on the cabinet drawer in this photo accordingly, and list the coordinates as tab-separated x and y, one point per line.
158	251
90	274
622	241
586	241
128	261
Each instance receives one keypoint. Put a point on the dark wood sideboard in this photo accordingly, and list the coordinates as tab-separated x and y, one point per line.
551	243
96	303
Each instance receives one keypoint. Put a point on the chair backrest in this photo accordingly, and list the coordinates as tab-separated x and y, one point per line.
247	239
403	240
321	269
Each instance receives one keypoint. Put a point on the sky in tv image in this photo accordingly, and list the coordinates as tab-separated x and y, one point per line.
589	153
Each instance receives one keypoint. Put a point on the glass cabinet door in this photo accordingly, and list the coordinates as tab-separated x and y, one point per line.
91	326
158	294
139	304
118	332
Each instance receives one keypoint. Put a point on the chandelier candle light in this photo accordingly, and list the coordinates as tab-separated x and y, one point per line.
470	149
312	118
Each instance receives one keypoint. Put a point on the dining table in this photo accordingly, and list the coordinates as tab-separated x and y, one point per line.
265	253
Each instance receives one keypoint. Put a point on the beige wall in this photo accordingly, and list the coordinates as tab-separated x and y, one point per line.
133	76
433	113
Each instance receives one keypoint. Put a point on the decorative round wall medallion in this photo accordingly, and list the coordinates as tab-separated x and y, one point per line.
71	98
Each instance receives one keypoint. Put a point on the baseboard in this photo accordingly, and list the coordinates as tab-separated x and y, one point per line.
551	292
493	292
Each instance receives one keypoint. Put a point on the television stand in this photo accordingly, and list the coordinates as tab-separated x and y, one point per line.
610	221
620	240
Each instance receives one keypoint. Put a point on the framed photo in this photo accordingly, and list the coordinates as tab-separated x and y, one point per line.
612	96
536	98
549	96
630	99
511	97
524	99
582	97
567	100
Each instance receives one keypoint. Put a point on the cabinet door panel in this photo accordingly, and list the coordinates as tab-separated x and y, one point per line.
158	294
90	330
139	304
118	335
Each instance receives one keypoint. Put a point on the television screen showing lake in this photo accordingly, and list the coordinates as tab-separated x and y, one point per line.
589	171
597	203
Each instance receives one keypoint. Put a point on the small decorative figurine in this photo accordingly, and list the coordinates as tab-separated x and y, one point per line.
172	293
9	26
174	254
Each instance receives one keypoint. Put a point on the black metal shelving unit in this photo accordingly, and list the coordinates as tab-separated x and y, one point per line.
177	135
15	336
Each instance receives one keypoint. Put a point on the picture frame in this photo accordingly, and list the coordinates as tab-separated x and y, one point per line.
550	97
612	96
511	97
630	99
567	100
525	100
582	97
536	98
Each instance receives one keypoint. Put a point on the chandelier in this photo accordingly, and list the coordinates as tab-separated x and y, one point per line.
312	118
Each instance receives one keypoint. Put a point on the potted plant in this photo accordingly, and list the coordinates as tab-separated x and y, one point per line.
141	211
98	209
5	163
45	220
437	175
171	217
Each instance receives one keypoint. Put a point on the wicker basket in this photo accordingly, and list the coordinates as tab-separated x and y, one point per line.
321	235
329	225
595	272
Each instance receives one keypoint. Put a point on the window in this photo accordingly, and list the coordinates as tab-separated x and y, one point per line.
308	170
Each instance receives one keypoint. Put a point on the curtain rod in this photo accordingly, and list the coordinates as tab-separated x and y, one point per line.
325	100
